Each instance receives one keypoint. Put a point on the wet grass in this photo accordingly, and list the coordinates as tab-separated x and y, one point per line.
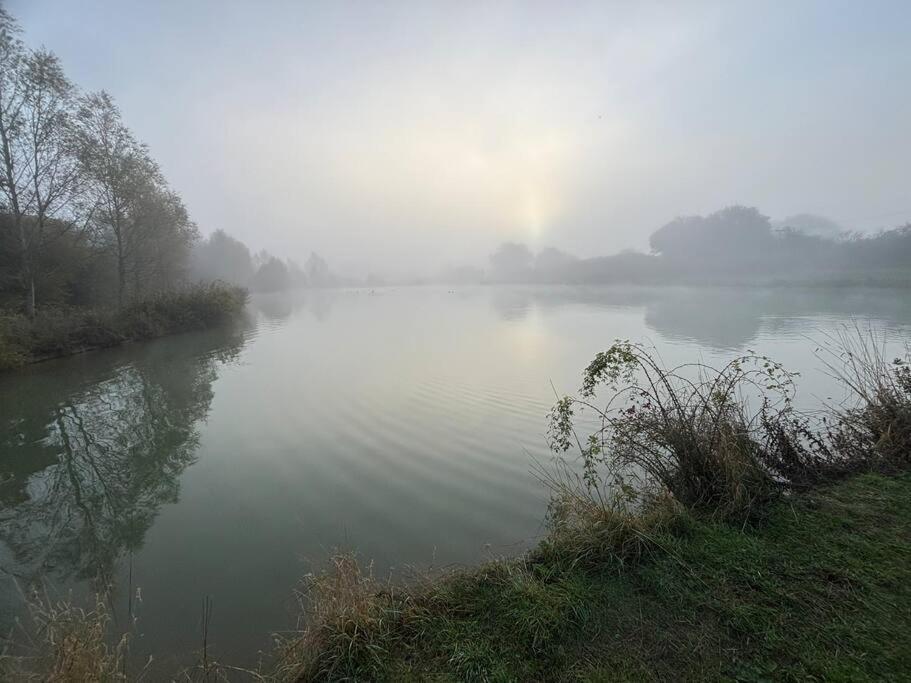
821	591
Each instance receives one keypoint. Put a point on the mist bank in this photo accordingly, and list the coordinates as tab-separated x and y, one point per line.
736	245
88	219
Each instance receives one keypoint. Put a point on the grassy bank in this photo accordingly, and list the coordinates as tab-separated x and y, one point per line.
59	333
821	592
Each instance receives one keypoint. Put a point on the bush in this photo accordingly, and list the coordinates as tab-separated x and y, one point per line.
690	431
686	430
590	534
872	428
180	310
56	333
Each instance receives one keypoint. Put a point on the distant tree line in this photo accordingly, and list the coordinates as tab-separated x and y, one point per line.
86	215
222	257
737	243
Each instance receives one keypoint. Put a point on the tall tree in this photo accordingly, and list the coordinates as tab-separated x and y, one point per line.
159	237
139	220
39	177
111	160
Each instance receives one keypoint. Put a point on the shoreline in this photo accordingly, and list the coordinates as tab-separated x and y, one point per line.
700	600
60	334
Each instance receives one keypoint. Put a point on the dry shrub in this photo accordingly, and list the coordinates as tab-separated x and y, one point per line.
872	427
66	644
347	622
688	430
800	450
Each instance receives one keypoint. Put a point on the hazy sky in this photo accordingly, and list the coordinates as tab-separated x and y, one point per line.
392	134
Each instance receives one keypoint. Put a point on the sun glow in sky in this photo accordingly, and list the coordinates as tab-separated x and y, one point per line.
401	137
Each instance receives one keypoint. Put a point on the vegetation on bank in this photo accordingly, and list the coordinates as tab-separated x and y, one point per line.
61	332
711	531
819	592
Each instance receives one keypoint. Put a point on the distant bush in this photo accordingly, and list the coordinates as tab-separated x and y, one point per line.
63	332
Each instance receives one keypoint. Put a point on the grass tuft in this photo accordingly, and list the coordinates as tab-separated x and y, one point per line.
65	643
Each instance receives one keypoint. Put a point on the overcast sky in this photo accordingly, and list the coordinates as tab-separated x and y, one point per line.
405	136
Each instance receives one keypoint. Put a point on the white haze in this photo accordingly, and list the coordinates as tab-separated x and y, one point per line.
402	137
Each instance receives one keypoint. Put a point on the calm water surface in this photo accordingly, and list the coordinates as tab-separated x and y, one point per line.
401	423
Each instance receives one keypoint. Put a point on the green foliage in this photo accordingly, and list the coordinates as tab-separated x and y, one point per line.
182	310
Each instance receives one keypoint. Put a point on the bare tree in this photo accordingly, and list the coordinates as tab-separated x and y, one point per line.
112	160
139	219
39	176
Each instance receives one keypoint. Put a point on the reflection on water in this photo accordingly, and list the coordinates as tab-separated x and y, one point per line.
401	422
722	317
91	453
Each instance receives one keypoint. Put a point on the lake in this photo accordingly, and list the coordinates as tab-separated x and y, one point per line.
402	423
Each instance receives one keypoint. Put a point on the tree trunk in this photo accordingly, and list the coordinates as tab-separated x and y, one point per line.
121	270
121	280
28	274
30	297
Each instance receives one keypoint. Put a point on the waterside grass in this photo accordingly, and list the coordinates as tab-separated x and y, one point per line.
56	333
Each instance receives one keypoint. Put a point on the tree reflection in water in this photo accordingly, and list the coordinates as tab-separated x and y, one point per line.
86	466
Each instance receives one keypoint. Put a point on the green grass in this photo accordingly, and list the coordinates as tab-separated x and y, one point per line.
821	591
56	333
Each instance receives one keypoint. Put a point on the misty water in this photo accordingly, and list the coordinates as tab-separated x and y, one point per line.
402	423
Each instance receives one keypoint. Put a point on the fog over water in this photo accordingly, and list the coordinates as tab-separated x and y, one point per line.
403	137
404	424
280	278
